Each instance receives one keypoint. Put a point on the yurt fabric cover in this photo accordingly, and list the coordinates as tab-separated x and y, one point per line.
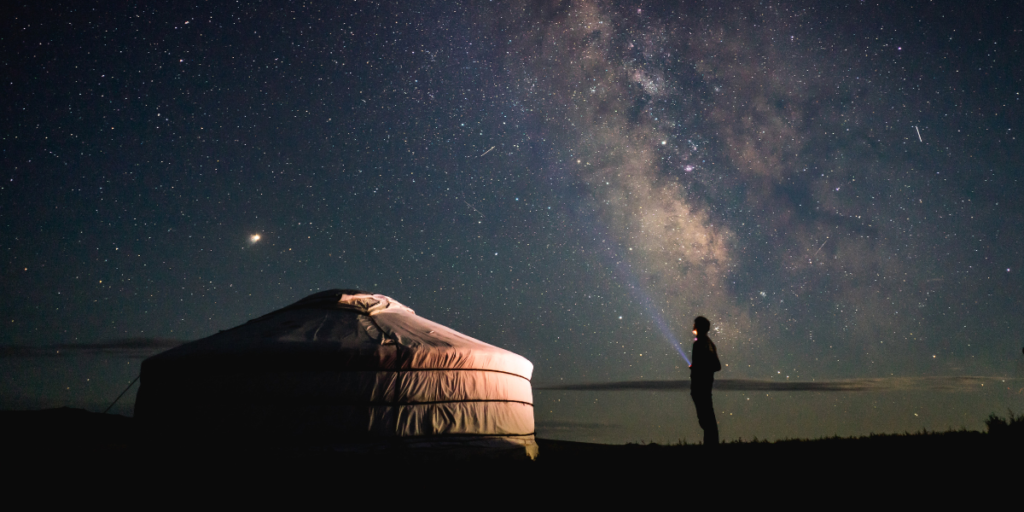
342	369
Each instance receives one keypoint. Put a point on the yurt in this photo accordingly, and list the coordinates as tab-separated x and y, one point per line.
342	371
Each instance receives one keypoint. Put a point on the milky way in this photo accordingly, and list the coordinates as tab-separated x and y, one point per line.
747	162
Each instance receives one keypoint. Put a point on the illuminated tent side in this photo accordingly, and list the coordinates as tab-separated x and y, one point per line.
342	370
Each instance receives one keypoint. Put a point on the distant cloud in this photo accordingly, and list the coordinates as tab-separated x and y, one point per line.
881	384
555	425
128	347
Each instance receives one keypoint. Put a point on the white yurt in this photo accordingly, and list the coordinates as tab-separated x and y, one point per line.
342	371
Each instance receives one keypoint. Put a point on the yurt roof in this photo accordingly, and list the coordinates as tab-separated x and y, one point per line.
341	330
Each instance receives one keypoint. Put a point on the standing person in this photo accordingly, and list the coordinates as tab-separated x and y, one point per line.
702	377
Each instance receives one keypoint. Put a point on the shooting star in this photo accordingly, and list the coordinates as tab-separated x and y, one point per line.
916	130
819	248
488	151
474	208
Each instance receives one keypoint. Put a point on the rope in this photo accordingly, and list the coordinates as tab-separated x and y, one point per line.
122	394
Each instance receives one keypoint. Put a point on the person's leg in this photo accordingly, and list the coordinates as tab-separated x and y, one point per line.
697	406
706	417
711	430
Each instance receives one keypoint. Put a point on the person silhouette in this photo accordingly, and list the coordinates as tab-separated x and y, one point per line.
702	377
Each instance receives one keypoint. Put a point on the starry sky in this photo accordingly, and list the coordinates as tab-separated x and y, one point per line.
836	187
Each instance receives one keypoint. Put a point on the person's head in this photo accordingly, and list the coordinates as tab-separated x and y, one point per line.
701	326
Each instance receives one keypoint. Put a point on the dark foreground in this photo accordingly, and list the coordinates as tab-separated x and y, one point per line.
79	446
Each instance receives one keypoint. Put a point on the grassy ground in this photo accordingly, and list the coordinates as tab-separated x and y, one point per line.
96	446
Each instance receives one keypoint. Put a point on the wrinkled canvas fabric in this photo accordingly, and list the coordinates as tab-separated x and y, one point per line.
339	368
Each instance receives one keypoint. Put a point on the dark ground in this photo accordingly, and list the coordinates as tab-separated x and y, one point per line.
76	446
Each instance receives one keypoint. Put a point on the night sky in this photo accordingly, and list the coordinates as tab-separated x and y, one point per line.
837	188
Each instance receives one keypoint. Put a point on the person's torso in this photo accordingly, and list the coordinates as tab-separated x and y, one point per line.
705	359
